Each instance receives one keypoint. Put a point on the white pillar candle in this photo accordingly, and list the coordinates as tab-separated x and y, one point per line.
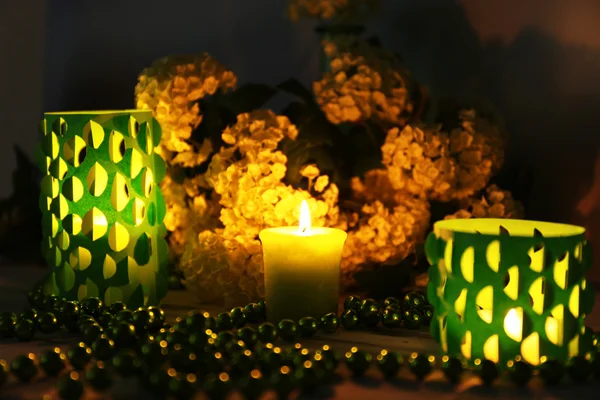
302	269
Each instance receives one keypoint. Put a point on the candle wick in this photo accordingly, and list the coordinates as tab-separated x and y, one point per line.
304	229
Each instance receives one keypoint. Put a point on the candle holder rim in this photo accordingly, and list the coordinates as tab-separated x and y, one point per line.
96	112
471	225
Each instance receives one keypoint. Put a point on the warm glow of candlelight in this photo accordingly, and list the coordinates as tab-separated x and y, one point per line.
513	324
304	223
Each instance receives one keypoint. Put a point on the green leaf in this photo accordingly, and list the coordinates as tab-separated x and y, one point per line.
294	87
248	97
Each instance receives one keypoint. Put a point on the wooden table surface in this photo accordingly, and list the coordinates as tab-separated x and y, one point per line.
15	282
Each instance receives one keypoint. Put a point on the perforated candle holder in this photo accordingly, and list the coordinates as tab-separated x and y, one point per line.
508	289
102	206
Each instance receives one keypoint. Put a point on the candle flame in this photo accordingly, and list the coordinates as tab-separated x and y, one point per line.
304	224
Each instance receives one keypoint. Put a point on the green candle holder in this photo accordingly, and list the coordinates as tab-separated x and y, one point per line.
102	206
504	289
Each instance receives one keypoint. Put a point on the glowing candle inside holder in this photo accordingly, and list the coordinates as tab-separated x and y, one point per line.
302	269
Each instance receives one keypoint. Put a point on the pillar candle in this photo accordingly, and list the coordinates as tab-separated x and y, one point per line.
302	269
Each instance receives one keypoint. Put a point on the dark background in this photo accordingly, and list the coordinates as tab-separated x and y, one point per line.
537	61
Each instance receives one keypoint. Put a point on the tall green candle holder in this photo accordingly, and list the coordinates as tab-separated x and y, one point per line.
102	206
507	289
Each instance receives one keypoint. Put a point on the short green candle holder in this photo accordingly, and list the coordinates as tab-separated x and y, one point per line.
102	206
509	289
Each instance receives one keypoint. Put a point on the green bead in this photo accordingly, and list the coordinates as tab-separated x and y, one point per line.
452	368
176	337
124	316
283	381
307	326
8	315
158	382
391	301
69	314
141	320
117	306
224	322
262	306
213	362
352	303
84	321
427	313
238	317
271	360
103	348
32	296
217	387
199	340
234	347
487	371
369	314
123	334
349	319
412	319
180	326
70	386
49	302
98	377
296	356
3	372
58	305
241	361
329	356
519	372
157	318
152	354
53	362
105	319
92	306
30	313
267	332
25	330
551	372
223	338
248	335
579	368
174	282
329	323
7	325
183	359
91	332
183	387
391	318
413	300
79	356
358	361
420	365
197	321
254	313
38	300
125	363
389	363
252	384
309	376
24	367
287	330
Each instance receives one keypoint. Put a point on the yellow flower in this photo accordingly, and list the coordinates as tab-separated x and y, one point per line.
494	203
247	174
332	10
365	82
440	165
